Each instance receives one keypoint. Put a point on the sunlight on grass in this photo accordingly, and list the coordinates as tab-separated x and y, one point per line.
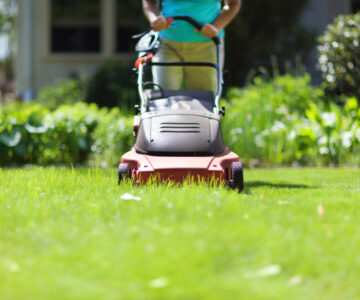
71	234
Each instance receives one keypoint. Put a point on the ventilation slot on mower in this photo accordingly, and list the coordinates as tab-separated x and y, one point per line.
180	127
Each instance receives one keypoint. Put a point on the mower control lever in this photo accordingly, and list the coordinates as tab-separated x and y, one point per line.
222	111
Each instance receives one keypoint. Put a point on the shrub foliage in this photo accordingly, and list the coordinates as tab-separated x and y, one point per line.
67	91
279	122
286	121
113	86
339	57
30	133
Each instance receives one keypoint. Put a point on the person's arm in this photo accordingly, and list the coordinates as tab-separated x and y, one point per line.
152	13
227	14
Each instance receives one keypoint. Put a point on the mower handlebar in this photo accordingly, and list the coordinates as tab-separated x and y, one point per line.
190	20
194	23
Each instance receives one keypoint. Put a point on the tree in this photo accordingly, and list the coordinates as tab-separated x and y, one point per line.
266	29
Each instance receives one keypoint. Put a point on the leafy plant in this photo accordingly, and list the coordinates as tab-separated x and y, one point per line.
30	133
339	55
337	137
113	86
63	92
20	130
280	122
112	138
286	121
265	118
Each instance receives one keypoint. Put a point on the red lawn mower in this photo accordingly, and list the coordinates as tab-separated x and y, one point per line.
178	132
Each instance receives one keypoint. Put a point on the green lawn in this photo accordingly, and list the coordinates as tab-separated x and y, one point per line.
68	234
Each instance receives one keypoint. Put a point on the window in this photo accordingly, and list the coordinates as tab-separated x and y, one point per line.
75	26
130	20
355	6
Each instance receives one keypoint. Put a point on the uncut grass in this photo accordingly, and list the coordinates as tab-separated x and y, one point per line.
67	234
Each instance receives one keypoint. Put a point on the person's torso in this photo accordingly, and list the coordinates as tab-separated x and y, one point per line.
203	11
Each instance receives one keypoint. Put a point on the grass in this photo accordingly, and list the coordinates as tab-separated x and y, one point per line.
68	234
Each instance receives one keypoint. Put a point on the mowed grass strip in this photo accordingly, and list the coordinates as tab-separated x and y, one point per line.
68	234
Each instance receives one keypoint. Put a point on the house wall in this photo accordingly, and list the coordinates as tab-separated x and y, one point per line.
24	55
322	12
46	67
37	67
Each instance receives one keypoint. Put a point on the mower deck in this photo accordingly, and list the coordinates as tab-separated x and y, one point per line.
178	168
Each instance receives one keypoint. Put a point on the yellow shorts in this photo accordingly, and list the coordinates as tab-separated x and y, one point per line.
190	78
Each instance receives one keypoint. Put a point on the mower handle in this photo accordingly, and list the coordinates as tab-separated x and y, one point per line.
190	20
194	23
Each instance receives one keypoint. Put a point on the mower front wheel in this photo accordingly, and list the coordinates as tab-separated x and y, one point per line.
237	176
123	172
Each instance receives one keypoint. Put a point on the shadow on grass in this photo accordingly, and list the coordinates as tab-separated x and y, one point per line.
255	184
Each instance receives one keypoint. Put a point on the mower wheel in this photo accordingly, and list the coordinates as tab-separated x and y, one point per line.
123	172
237	176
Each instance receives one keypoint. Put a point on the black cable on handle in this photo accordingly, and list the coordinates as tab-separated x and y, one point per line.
196	24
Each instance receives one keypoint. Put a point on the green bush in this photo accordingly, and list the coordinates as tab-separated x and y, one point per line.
69	137
258	118
21	128
63	92
336	132
339	55
112	138
30	133
286	121
113	86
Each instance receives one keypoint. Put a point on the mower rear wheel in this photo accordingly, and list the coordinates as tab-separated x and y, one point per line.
237	176
123	172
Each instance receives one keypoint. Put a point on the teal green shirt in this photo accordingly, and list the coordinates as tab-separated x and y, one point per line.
203	11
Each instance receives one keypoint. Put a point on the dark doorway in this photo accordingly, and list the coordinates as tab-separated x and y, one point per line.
355	6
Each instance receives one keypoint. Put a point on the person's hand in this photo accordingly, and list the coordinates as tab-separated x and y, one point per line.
209	30
160	23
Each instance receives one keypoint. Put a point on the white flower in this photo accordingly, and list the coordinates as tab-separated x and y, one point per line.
292	135
259	140
323	140
237	131
282	110
346	138
330	78
323	150
323	59
278	126
329	118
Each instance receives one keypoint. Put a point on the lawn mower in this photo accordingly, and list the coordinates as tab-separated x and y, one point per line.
178	132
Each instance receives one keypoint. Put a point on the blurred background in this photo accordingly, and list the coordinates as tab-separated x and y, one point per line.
293	68
44	40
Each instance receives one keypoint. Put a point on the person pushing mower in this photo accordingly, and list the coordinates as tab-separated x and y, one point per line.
180	42
177	122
